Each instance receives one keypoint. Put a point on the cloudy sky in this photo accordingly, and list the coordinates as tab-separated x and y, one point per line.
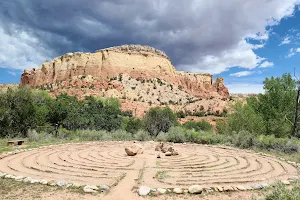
242	40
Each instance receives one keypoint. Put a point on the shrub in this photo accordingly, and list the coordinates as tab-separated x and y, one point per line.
281	192
142	135
180	114
243	140
198	126
159	119
161	137
132	125
244	118
176	135
33	136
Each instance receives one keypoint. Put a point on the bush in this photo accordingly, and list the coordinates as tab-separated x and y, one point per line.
159	119
33	136
142	135
176	135
132	125
244	118
243	140
198	126
281	192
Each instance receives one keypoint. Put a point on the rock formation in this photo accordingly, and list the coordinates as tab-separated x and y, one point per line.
136	74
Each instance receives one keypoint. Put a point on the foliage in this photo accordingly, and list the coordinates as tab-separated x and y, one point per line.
198	126
132	125
23	108
159	119
281	192
142	135
277	105
243	118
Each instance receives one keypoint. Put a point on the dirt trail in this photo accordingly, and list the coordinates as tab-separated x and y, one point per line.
98	163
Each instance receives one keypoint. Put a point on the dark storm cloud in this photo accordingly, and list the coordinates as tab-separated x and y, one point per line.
186	30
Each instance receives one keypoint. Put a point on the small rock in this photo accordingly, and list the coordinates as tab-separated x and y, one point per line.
242	188
228	188
185	191
2	175
168	153
195	189
19	178
265	185
178	190
44	182
60	183
220	189
34	181
161	190
144	191
8	176
285	182
158	156
89	190
175	153
76	185
257	186
104	187
69	185
26	180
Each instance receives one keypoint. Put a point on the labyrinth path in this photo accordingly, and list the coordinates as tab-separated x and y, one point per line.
99	163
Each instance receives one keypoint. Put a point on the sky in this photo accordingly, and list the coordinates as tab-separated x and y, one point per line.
243	41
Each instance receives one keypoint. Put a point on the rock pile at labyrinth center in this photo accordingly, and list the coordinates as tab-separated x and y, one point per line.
104	165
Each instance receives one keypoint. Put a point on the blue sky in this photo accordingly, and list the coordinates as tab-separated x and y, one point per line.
243	41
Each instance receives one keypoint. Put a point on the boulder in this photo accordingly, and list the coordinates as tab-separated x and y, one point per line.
195	189
134	149
144	191
168	153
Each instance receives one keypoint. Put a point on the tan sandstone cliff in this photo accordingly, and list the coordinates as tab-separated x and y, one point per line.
133	73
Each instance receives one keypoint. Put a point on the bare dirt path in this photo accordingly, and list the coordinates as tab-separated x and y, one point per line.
106	163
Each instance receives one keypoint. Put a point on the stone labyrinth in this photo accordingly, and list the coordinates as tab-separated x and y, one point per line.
99	163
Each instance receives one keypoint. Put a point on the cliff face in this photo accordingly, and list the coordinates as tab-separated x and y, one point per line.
134	60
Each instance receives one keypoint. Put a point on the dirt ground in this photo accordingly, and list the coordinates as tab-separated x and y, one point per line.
98	163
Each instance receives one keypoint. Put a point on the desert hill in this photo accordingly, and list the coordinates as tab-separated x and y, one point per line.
140	76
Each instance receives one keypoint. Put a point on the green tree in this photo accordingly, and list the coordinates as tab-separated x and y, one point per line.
159	119
277	105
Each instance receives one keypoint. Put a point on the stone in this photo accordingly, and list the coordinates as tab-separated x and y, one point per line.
144	191
19	178
134	149
32	181
178	190
220	189
2	175
8	176
227	188
77	185
195	189
159	146
161	190
60	183
285	182
158	156
27	180
104	187
257	186
44	182
90	188
242	188
265	185
175	153
168	153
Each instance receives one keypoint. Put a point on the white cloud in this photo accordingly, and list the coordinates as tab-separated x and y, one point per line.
292	52
286	40
20	50
242	73
12	73
266	64
245	88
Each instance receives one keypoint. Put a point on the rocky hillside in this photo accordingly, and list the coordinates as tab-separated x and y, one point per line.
140	76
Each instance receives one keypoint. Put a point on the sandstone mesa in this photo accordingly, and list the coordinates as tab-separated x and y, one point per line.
140	76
